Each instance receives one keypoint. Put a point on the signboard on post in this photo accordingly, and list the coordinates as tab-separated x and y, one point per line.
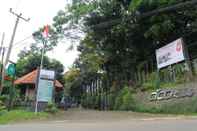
45	85
170	54
11	70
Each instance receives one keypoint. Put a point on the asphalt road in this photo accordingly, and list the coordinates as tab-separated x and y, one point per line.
107	121
133	125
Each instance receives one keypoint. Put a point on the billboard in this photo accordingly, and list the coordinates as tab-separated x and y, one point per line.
170	54
45	85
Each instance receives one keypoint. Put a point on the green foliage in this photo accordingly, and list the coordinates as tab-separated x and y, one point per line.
168	77
150	84
4	98
124	100
9	95
20	115
128	102
51	108
176	107
31	62
116	42
2	107
51	41
112	97
92	102
71	80
135	4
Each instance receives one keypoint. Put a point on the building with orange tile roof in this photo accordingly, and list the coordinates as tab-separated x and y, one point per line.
29	80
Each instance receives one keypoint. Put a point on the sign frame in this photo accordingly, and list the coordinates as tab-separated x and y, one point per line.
37	101
171	53
44	79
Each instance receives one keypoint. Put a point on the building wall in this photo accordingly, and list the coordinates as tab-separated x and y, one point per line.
30	93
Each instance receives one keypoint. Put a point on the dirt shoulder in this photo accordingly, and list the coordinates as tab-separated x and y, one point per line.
76	115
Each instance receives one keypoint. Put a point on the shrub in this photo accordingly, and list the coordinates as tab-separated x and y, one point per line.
4	98
124	100
187	106
2	108
128	102
84	101
51	108
112	97
150	84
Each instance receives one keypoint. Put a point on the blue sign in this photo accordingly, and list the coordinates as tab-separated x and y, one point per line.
45	87
45	90
11	70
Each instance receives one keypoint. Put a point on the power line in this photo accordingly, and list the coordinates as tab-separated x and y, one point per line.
22	42
18	17
26	38
179	6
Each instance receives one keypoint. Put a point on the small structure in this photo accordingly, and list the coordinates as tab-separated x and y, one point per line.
28	81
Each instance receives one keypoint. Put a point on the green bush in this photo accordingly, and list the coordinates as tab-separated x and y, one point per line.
150	84
83	101
51	108
112	97
4	98
124	100
2	108
92	102
128	102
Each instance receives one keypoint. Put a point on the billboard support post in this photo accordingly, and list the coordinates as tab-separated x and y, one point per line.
187	60
173	53
157	84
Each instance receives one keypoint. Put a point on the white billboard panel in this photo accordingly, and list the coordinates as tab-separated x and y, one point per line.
47	74
170	54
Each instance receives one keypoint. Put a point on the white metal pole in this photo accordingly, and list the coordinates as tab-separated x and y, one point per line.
42	55
41	66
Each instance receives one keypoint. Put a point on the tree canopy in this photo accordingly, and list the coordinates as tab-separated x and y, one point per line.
122	35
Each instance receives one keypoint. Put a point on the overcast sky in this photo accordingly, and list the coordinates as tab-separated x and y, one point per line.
41	12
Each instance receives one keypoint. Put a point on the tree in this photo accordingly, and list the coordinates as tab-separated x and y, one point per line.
32	61
122	35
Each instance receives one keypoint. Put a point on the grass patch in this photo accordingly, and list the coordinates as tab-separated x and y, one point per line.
20	115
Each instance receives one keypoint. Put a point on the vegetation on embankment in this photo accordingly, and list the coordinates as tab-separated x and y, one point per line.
141	103
186	106
20	115
129	100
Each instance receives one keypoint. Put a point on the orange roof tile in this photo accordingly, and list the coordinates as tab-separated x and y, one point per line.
30	78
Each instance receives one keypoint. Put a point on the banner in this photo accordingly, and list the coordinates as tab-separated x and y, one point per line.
45	86
170	54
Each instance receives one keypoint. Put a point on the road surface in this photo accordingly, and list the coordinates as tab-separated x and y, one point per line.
146	125
107	121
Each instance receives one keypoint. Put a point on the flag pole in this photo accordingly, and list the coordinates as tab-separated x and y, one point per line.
45	34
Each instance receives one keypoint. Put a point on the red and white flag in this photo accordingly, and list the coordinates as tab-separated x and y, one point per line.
46	31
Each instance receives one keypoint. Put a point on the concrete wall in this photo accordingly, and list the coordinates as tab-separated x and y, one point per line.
173	104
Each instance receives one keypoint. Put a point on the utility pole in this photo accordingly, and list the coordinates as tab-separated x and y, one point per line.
18	17
2	40
2	55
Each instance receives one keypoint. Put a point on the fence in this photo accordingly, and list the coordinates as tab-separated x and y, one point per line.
96	93
146	74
